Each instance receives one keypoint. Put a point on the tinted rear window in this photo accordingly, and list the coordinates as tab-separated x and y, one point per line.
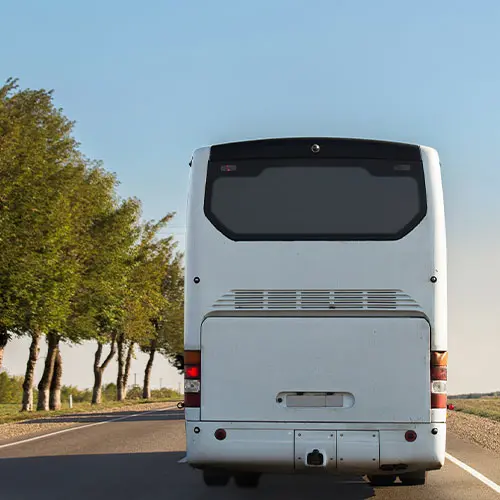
321	200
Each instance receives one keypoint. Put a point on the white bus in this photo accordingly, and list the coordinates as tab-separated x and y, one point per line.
316	310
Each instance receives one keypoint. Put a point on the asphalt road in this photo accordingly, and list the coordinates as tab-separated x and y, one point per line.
137	458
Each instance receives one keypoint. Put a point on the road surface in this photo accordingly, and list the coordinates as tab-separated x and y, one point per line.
137	458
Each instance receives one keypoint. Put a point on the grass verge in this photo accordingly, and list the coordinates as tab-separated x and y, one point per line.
483	407
10	413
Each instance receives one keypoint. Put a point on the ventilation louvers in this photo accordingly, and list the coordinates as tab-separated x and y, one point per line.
316	300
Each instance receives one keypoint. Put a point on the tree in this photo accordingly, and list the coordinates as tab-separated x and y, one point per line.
95	215
39	162
169	323
144	299
106	280
99	369
4	338
178	362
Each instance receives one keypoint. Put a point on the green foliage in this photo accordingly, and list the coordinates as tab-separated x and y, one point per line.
109	392
11	388
98	309
145	300
135	393
167	320
40	173
170	332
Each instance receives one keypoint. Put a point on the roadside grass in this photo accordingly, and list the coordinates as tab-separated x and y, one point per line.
10	413
482	407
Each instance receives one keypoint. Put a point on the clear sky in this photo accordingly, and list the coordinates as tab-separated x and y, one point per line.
149	82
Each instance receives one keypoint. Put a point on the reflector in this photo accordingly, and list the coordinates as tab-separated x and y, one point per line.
410	436
438	401
192	400
439	373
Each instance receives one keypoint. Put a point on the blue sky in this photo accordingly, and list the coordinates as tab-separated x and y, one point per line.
148	83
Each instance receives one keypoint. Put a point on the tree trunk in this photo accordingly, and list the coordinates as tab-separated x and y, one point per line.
97	389
4	338
30	372
126	373
124	360
55	384
99	370
44	384
146	390
120	392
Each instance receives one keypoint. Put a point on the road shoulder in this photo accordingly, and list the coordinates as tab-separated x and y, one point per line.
27	429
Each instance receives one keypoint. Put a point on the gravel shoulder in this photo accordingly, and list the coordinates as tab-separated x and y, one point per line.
37	426
473	429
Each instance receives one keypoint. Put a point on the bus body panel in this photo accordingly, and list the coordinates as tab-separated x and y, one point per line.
435	203
264	448
407	264
346	369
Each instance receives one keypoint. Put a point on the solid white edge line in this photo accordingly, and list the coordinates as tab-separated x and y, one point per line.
86	426
474	472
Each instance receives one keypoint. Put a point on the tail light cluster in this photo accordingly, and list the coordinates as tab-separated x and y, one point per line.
192	379
439	377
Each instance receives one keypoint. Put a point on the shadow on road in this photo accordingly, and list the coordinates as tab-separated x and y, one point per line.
141	476
89	418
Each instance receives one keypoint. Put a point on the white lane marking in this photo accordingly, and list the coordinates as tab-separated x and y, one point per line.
183	460
474	472
43	436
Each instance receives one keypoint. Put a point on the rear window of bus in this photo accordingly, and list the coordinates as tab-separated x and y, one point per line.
281	200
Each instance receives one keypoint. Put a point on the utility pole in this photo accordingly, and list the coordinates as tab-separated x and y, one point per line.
135	378
161	385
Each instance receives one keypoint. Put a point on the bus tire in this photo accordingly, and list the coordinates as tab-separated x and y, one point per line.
247	479
382	480
213	477
414	478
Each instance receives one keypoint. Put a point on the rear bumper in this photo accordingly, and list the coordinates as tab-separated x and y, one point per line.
345	448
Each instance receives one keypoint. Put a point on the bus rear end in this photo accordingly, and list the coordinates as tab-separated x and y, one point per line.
315	329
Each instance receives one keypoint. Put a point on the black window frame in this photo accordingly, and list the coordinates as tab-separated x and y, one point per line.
377	164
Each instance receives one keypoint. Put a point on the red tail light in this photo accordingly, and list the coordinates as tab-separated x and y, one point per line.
439	377
192	379
192	372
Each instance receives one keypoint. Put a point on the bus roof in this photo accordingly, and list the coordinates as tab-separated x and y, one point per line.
317	147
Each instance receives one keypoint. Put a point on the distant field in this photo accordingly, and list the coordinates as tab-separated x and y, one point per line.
483	407
10	412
